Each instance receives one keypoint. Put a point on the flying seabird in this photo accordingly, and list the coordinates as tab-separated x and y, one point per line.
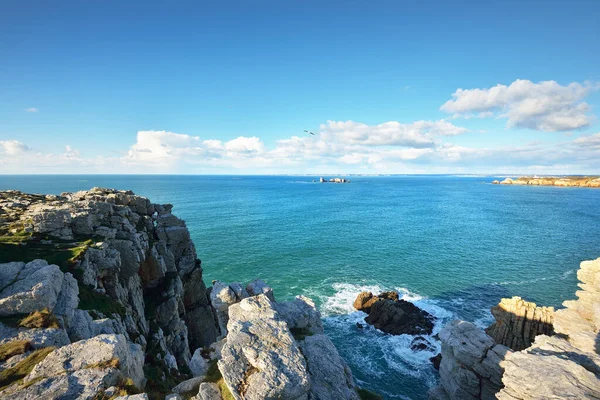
309	132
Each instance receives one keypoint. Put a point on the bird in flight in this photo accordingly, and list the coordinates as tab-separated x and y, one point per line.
309	132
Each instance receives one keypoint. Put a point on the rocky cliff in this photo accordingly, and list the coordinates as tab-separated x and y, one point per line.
563	362
101	296
570	181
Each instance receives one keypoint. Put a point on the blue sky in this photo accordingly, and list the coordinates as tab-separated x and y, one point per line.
228	87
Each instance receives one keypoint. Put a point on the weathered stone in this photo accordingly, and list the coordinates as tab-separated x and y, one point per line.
330	376
470	361
261	358
208	391
399	317
257	287
188	386
518	322
365	300
198	365
90	352
300	314
551	369
29	287
222	296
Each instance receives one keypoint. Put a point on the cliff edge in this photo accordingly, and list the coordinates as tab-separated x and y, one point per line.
102	297
559	353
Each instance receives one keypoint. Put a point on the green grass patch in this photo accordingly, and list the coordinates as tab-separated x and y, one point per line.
213	375
365	394
40	319
14	348
65	255
89	299
112	363
20	370
37	319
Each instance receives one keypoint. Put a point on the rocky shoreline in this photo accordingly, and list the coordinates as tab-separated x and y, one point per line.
102	297
565	181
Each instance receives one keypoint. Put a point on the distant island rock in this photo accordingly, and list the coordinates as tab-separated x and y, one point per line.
333	180
565	181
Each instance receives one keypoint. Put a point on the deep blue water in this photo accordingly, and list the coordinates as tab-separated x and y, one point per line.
453	245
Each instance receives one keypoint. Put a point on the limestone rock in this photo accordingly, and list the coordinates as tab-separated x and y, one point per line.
198	365
222	296
208	391
300	314
90	352
261	358
39	338
29	287
330	376
141	396
257	287
190	385
470	365
518	322
551	369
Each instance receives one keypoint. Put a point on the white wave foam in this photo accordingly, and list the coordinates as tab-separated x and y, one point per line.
373	351
563	276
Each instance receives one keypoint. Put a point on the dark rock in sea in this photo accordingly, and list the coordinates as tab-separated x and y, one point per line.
436	361
392	315
420	343
365	300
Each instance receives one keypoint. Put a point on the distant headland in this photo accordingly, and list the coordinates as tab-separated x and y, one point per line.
565	181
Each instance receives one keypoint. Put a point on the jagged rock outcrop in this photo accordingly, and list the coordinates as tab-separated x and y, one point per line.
518	322
330	376
551	369
140	257
393	315
121	308
470	366
261	359
565	365
82	370
277	350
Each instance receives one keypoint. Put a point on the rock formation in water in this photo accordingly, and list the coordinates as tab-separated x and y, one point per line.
470	367
392	315
101	296
571	181
518	322
564	365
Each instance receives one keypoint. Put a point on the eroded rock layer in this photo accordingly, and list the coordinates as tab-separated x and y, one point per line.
518	322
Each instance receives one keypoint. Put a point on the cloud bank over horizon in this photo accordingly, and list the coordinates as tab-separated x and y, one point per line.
422	146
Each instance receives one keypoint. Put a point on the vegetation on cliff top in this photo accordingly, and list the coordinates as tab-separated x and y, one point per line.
21	369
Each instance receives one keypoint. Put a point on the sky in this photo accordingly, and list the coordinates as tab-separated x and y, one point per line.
391	87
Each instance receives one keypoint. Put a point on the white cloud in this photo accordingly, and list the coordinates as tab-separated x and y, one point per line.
31	110
13	147
545	106
589	141
392	133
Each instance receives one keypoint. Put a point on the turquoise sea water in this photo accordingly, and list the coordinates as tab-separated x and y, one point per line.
453	245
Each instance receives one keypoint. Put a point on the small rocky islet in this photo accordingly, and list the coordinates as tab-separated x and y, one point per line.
102	297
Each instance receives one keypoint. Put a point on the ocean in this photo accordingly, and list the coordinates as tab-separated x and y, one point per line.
453	245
